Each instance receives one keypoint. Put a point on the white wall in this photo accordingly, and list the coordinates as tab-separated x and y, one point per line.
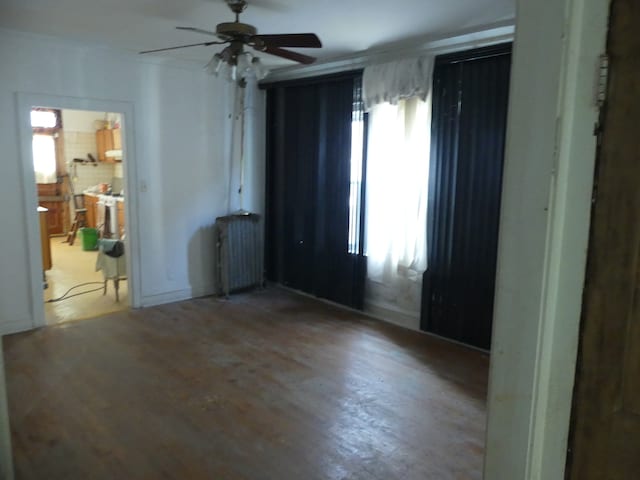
81	120
255	146
180	136
399	305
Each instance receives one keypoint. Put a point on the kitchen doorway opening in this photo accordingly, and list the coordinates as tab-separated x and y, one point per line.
78	164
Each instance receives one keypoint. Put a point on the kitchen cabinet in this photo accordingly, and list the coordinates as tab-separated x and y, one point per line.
91	204
54	215
50	198
108	139
116	133
120	213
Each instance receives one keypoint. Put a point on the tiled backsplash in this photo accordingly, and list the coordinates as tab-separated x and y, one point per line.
78	145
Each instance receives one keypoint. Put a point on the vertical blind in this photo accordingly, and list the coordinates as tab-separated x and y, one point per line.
465	185
314	191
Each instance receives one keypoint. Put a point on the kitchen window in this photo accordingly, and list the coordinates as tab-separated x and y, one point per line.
45	124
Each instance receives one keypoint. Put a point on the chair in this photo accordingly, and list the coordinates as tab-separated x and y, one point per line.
80	218
113	267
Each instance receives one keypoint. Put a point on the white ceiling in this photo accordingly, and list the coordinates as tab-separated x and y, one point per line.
344	26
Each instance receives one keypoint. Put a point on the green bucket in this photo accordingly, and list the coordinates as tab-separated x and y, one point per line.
89	238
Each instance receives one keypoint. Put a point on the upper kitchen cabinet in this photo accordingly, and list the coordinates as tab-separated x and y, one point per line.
109	142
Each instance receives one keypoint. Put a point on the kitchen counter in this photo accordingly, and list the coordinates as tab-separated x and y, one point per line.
97	205
104	196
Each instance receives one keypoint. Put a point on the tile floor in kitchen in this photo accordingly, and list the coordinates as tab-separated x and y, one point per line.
73	266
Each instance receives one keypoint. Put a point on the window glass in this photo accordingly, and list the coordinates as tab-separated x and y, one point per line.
43	119
357	147
44	158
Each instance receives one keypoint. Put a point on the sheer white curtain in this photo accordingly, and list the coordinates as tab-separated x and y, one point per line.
44	158
397	96
397	181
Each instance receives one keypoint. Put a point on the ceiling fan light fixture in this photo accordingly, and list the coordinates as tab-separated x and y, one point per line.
244	62
232	73
258	68
215	65
236	67
238	35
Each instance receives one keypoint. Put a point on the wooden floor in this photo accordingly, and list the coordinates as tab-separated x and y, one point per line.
268	385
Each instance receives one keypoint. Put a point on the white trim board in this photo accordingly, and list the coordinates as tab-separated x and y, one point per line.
24	102
154	299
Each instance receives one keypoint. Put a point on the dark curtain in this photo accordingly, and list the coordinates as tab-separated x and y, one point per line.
308	185
470	96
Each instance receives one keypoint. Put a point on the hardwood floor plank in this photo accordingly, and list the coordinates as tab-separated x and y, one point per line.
266	385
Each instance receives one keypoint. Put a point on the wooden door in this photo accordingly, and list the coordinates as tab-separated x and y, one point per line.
605	435
90	204
120	213
54	216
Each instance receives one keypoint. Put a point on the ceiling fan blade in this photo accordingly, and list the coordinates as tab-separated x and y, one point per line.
206	44
303	40
288	54
198	30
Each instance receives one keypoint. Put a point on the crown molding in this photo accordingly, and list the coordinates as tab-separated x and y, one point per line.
489	35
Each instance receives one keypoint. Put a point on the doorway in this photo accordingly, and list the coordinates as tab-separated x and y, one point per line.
78	163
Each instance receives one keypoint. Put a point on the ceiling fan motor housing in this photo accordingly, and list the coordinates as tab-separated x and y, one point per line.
239	35
233	30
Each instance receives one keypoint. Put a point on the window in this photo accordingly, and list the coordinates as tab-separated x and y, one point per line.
397	184
45	124
357	150
44	119
44	158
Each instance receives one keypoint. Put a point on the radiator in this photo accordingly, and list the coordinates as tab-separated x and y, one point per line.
240	263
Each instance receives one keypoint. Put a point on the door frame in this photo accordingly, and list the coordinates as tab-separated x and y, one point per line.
24	103
544	227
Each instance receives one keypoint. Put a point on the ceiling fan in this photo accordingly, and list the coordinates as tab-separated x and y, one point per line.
238	35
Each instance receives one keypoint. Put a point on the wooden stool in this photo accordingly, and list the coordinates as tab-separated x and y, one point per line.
80	219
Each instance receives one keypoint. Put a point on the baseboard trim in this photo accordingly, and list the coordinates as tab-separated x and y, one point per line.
17	326
176	296
397	316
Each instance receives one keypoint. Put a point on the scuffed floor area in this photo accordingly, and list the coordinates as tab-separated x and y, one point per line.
266	385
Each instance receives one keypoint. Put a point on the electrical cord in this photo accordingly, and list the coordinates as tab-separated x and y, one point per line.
65	297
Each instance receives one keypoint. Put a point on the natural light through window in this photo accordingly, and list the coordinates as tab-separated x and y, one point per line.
397	181
43	119
355	191
44	158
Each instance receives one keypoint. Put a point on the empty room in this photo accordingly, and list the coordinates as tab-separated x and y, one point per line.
331	240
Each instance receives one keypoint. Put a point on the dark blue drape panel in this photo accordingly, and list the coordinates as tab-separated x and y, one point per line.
308	182
470	99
